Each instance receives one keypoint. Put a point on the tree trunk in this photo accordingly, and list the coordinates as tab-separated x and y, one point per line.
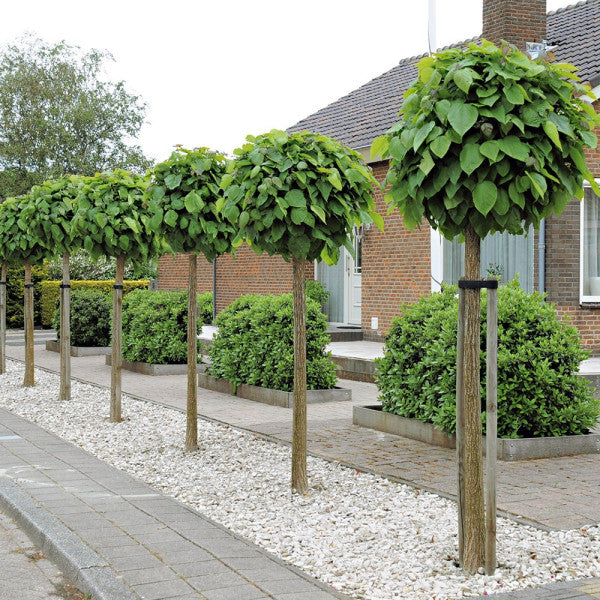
117	334
191	434
65	332
28	380
3	319
473	527
299	477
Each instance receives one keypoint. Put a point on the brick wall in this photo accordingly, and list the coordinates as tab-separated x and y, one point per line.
396	266
563	266
516	21
247	273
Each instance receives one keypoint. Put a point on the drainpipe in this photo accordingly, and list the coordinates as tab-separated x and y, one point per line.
542	257
214	265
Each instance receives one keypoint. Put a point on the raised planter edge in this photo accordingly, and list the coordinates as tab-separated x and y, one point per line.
270	396
508	449
151	368
76	351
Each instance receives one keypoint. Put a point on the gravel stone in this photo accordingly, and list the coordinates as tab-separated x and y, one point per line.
362	534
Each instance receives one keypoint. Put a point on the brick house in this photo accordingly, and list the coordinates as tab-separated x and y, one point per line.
399	266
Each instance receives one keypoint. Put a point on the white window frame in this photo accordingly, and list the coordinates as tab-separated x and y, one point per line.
583	299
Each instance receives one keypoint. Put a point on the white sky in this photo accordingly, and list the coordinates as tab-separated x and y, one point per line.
214	71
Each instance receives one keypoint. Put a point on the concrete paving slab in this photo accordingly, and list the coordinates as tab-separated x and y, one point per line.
126	548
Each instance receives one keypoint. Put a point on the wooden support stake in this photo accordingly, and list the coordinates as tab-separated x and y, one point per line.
491	426
65	332
117	336
460	451
191	434
3	319
299	476
28	380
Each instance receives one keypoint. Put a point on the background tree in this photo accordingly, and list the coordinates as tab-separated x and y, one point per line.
489	141
112	220
55	204
59	115
183	203
21	246
299	196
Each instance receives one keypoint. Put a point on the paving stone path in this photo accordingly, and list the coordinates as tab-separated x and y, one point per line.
118	539
26	573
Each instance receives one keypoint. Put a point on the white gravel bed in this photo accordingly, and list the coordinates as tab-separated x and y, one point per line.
364	535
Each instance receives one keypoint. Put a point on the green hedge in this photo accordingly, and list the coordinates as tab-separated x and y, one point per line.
255	344
539	391
14	295
91	312
155	325
50	293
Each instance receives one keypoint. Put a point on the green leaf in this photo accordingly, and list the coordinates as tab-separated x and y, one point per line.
193	202
490	149
463	78
552	132
539	183
243	219
484	196
295	198
462	116
378	220
440	146
441	110
426	163
514	147
470	158
319	212
301	215
514	94
171	218
379	146
173	180
334	179
422	134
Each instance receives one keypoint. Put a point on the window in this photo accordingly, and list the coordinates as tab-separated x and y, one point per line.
590	247
502	254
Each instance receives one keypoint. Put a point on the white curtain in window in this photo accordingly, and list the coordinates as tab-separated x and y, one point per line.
591	250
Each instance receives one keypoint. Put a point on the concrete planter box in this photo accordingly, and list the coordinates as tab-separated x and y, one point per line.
268	396
54	346
508	449
151	369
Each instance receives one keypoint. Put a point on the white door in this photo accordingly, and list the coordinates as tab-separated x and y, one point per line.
353	282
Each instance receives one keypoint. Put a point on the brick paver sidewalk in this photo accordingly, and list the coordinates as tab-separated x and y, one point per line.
119	539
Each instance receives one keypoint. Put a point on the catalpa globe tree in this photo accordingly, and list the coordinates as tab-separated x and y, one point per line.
298	195
55	206
21	246
183	203
489	141
112	220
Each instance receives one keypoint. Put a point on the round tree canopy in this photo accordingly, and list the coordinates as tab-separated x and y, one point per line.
489	138
182	202
112	217
17	242
55	206
298	195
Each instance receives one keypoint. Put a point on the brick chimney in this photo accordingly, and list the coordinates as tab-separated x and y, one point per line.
516	21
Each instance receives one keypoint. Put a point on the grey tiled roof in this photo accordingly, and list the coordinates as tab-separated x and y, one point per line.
359	117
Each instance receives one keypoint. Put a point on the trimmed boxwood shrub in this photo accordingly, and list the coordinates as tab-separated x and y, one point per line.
539	391
255	344
90	318
155	325
50	292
